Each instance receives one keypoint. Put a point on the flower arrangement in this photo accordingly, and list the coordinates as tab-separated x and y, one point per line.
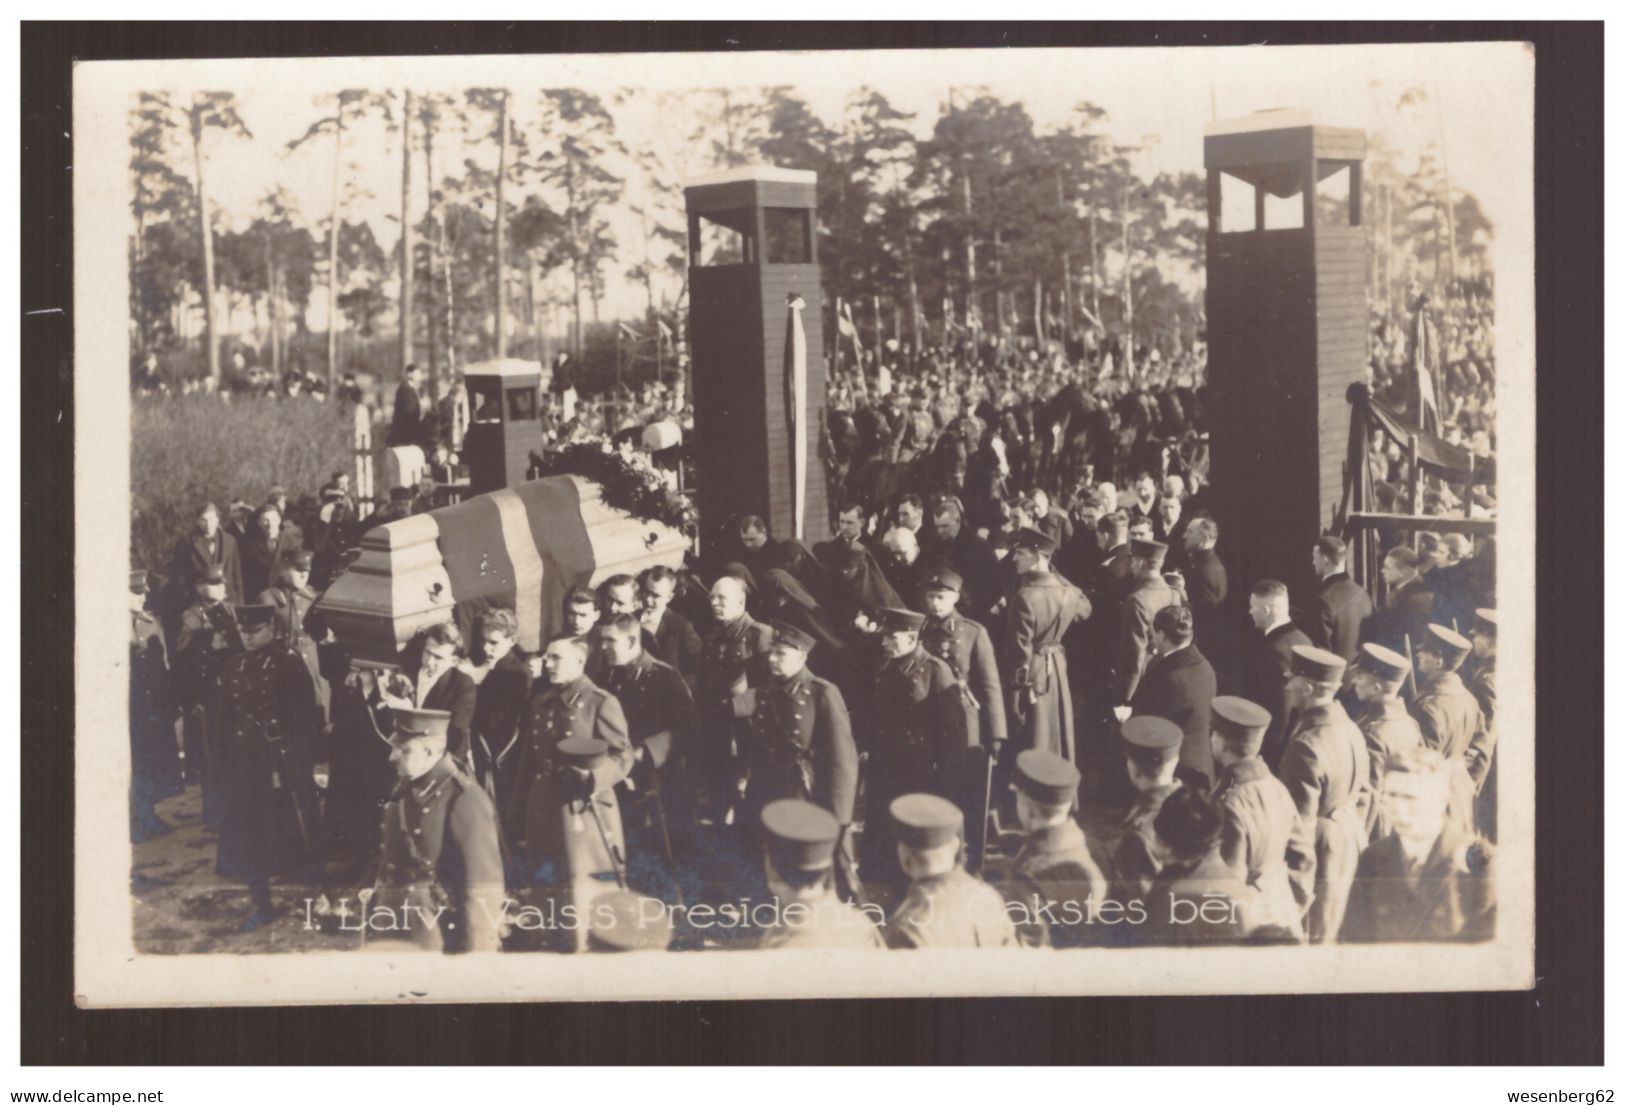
627	479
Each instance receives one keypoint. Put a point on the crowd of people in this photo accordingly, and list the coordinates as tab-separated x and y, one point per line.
1013	700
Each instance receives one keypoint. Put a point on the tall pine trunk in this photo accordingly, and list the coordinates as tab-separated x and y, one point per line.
502	222
211	324
333	254
407	249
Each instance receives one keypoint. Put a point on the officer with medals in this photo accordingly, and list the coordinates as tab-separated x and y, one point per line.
1260	818
573	749
799	862
155	771
967	649
946	906
208	635
1053	877
293	598
1378	677
916	731
265	722
799	742
1327	770
440	869
732	659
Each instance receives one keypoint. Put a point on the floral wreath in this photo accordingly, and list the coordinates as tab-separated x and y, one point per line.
627	480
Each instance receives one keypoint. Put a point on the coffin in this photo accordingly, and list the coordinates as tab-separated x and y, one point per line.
522	547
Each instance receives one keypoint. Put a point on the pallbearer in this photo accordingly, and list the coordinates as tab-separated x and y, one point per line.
946	906
732	659
799	858
440	870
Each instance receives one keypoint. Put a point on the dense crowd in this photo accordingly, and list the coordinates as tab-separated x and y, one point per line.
1013	700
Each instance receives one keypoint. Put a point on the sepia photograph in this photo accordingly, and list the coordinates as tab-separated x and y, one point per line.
957	522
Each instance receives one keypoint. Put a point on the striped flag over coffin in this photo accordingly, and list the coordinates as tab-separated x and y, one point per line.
521	547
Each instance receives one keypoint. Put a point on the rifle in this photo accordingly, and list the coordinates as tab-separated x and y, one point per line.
279	748
613	852
1410	676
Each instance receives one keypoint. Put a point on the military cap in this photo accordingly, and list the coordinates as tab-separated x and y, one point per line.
411	724
802	836
895	619
625	921
138	581
331	494
1146	731
926	821
300	560
1239	720
400	494
790	636
1317	664
583	751
1447	643
254	615
213	574
1033	541
1485	621
276	490
1384	663
945	579
1154	551
1046	777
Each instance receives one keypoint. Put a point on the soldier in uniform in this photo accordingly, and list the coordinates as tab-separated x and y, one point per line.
625	921
799	863
967	649
660	724
1197	898
1389	729
1053	876
799	741
732	658
1427	879
946	906
1151	750
293	598
916	732
573	749
1261	820
440	867
1450	718
155	770
1481	681
1327	770
1044	607
208	635
265	721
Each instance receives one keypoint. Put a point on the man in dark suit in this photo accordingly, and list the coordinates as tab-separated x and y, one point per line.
1267	660
968	555
1342	606
1179	685
502	680
411	424
431	680
1403	620
676	641
908	566
207	546
1207	585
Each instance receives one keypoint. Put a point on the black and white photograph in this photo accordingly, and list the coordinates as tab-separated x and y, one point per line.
829	523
